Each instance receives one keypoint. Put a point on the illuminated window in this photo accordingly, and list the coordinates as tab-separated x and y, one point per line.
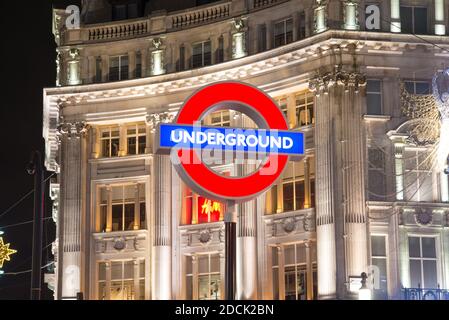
294	272
413	20
221	118
304	109
423	262
136	139
122	285
282	103
198	209
283	32
293	188
203	269
374	97
201	54
379	259
110	142
118	68
122	208
418	180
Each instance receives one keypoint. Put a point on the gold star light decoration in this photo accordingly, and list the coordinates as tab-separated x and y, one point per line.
5	252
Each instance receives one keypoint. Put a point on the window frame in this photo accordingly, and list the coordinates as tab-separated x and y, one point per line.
109	138
386	257
203	54
413	7
380	93
309	105
138	135
120	67
284	33
437	258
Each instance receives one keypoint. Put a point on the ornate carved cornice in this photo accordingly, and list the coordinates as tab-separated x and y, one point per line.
322	83
72	129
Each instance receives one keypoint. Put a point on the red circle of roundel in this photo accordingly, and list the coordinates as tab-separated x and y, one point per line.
228	187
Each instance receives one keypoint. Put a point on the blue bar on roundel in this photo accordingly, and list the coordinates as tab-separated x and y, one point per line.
230	139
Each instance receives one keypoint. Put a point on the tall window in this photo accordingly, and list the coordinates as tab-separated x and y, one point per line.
123	283
283	32
110	142
220	49
201	55
293	188
379	259
418	183
203	269
295	272
182	58
98	73
374	97
376	174
122	208
118	68
423	262
136	139
262	38
304	109
138	65
221	118
282	103
302	25
414	20
417	87
123	11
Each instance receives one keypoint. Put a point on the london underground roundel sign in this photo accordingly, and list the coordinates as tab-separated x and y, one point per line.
185	138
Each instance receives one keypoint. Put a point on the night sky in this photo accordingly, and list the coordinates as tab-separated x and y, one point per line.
28	65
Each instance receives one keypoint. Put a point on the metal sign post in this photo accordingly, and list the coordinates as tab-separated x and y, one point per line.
230	249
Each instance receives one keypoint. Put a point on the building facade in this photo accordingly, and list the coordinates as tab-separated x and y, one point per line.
366	197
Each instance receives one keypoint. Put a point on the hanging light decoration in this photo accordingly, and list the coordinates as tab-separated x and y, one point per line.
5	252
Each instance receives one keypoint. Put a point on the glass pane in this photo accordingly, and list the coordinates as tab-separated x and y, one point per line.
299	195
102	291
119	12
300	254
422	88
103	218
430	274
428	247
381	263
290	283
142	269
289	255
116	270
415	273
373	86
275	283
117	217
128	271
189	288
274	257
215	263
115	147
189	266
142	289
288	196
203	264
204	288
132	11
215	286
414	247
374	104
129	216
378	246
143	216
406	20
410	86
142	144
420	20
105	148
132	145
102	271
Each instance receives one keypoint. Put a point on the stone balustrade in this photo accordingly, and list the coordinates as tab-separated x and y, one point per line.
111	31
190	17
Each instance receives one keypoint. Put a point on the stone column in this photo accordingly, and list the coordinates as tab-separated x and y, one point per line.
395	15
161	172
340	213
309	261
73	67
73	156
440	27
350	14
320	16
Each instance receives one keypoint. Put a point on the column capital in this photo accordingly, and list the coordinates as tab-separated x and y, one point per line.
154	119
323	82
72	130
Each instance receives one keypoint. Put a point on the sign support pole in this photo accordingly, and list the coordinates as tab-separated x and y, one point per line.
230	249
